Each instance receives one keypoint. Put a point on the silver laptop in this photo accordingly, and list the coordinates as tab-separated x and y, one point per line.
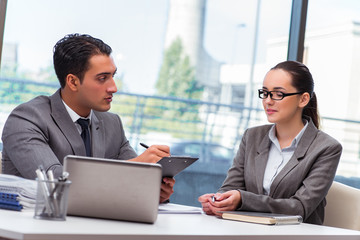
113	189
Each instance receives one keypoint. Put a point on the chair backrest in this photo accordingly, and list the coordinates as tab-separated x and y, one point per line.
343	207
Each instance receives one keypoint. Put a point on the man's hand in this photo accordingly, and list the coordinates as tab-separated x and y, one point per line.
167	188
153	154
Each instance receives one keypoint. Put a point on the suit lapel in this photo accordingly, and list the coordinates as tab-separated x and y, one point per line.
300	151
286	170
98	137
261	161
66	125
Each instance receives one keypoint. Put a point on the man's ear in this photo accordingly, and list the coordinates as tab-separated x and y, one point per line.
304	100
73	82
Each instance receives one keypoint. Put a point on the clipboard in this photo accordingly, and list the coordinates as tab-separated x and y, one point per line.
175	164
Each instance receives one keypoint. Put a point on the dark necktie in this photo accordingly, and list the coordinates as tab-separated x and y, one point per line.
85	134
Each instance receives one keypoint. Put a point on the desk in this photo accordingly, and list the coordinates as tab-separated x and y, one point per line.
22	225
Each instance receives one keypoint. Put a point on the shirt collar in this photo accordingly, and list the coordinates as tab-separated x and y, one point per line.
74	116
296	140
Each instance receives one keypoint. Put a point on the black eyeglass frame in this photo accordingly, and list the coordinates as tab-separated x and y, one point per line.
270	93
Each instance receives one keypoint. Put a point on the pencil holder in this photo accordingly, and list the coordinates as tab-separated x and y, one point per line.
52	199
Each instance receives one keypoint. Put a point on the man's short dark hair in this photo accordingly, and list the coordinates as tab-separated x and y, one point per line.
72	54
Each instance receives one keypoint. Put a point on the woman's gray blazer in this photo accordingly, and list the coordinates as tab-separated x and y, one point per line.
299	188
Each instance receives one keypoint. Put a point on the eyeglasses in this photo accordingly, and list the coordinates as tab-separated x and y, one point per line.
275	95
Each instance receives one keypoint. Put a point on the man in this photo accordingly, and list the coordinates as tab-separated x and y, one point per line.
46	129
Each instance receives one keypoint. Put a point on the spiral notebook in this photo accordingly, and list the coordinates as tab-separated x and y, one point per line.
113	189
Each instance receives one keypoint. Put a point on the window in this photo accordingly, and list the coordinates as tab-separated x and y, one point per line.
332	53
222	50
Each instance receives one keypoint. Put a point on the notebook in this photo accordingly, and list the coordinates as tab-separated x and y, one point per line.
113	189
262	218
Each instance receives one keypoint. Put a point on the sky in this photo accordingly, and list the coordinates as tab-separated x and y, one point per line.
136	30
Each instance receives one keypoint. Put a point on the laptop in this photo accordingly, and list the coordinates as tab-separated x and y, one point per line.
113	189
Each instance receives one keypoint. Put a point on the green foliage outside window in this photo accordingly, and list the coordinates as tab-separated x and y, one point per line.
177	79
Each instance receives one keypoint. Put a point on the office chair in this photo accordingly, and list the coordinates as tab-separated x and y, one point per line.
343	207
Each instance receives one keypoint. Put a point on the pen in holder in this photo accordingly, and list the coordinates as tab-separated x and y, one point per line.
51	199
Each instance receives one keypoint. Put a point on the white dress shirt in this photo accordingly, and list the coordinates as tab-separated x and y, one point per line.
74	117
278	157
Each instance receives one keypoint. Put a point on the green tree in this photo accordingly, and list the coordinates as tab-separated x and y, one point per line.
176	79
177	75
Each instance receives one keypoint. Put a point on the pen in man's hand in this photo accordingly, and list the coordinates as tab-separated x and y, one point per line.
144	145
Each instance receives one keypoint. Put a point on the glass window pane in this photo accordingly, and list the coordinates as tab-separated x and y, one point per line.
332	53
186	69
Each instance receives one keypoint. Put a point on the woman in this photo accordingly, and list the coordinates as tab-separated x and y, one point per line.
286	167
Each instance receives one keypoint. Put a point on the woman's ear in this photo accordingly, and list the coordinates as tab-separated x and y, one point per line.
304	99
73	82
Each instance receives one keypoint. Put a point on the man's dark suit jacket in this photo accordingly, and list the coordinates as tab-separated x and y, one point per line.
41	132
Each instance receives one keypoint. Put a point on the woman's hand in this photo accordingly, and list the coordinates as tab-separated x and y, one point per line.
213	203
205	202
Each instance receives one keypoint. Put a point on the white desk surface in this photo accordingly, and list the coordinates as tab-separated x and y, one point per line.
22	225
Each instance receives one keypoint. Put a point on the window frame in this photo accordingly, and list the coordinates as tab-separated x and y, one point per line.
3	4
297	30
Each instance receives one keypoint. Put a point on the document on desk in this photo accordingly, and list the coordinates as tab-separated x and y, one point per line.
172	208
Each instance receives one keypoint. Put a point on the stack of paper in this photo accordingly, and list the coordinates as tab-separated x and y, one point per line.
17	193
177	208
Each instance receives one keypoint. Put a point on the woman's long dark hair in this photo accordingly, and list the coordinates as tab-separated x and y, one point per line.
303	82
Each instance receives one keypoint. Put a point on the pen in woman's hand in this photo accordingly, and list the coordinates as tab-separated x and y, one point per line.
144	145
